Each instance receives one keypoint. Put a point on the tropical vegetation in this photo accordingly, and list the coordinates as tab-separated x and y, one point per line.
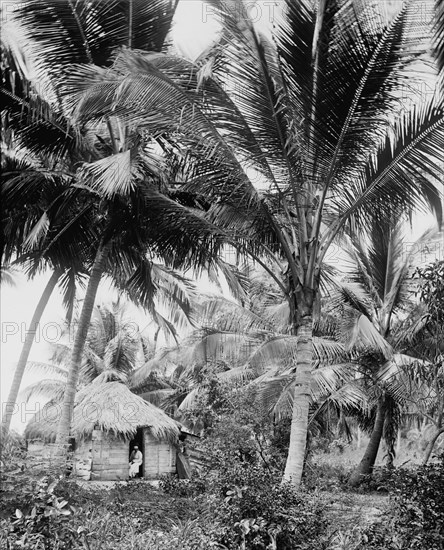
284	168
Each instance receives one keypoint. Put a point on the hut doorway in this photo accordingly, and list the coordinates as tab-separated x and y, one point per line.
138	441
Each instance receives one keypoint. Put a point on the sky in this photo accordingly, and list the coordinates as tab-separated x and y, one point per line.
194	31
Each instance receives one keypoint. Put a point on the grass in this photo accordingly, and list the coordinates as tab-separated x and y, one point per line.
137	515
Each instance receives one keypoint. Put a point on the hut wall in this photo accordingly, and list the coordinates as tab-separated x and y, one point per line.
109	456
159	457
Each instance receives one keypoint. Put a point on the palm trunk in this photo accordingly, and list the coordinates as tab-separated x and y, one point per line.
64	426
27	345
301	403
430	446
367	463
398	442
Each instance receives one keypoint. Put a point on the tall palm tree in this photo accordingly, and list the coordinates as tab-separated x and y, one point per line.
303	137
115	349
112	351
373	300
313	141
34	175
121	173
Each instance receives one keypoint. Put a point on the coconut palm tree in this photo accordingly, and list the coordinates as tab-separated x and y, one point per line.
113	350
36	190
27	193
34	176
308	138
122	175
247	345
372	301
132	271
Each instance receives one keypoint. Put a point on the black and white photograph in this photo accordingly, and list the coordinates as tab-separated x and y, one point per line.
222	275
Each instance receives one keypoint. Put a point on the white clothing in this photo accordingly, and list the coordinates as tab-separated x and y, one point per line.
135	463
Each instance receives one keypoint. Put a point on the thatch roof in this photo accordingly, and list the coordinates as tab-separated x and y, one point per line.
110	407
43	425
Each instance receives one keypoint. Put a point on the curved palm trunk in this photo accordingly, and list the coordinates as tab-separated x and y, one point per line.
64	426
27	345
367	463
301	403
431	444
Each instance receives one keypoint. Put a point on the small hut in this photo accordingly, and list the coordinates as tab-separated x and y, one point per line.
40	432
109	420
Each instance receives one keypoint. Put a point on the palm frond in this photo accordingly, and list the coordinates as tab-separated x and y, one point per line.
403	169
120	353
364	335
157	397
7	275
47	369
46	388
111	175
66	32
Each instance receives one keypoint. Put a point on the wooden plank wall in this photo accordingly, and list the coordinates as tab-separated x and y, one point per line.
159	457
109	456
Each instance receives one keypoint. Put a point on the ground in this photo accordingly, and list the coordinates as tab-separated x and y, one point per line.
348	509
137	514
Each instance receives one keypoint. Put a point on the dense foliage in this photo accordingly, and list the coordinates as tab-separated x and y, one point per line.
241	479
235	502
415	520
431	289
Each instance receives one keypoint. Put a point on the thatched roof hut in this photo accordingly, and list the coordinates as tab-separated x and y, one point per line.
108	421
110	407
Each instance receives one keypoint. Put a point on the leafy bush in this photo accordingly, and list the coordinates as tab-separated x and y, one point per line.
325	477
417	520
13	449
380	480
46	522
172	485
254	509
245	505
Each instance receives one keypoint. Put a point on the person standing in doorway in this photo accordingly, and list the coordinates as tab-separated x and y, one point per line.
135	462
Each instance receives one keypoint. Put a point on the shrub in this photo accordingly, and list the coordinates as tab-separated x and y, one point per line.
172	485
325	477
380	480
254	509
417	520
246	506
45	523
240	487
